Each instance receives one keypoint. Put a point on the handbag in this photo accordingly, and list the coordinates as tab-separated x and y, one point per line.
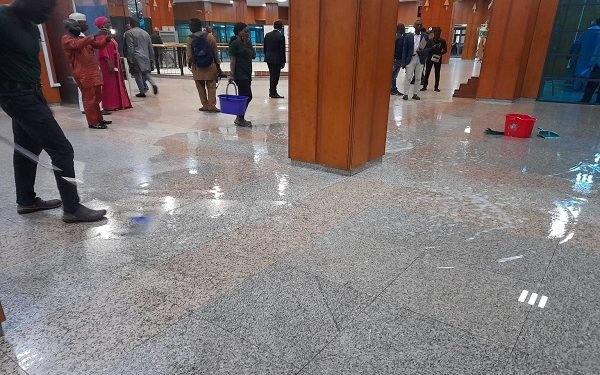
436	58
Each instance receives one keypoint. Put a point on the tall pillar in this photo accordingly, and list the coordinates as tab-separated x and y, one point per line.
437	14
240	7
339	102
272	13
513	63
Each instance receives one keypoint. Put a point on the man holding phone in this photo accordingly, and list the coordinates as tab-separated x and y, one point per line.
437	48
84	66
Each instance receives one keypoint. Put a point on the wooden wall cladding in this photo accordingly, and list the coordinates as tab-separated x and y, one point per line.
513	62
304	80
284	14
464	14
338	48
407	12
539	48
372	98
216	12
338	106
438	15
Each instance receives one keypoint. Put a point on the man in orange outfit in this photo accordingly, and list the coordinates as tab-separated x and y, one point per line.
84	65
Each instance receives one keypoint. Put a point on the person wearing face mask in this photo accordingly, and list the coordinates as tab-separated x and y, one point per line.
413	58
34	126
84	66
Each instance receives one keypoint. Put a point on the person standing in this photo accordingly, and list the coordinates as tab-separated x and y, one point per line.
436	47
581	53
275	57
114	93
84	66
156	39
242	53
399	46
140	55
413	58
594	77
203	60
34	127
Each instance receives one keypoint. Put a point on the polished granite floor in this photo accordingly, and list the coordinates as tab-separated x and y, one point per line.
460	253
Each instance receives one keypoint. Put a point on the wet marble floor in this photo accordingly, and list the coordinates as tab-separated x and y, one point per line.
459	253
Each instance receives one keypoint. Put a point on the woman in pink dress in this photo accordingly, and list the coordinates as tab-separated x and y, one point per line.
114	93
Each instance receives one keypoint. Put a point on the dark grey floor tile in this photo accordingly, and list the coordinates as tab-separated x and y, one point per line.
286	312
478	301
388	339
367	264
407	229
501	252
194	346
564	336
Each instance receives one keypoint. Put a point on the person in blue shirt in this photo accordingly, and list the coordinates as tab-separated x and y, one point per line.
582	51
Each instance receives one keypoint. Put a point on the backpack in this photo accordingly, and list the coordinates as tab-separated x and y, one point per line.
202	53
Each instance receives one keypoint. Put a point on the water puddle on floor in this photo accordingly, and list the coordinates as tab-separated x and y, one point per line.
567	212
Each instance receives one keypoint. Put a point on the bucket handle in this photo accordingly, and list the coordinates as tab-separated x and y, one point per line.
234	86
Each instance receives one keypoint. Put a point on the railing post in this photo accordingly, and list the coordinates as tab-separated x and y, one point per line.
180	58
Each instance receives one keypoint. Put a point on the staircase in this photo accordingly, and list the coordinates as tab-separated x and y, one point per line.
468	90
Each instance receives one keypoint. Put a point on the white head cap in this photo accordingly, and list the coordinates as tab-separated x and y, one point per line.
77	17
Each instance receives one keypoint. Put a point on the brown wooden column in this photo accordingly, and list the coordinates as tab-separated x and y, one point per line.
339	104
513	62
240	8
272	13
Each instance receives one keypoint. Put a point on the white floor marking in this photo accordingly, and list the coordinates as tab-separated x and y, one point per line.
533	298
509	259
523	296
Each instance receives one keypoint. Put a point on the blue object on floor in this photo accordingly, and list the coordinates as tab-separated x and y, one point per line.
547	134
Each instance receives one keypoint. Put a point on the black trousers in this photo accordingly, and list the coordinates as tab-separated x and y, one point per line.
245	88
591	86
275	74
35	129
438	69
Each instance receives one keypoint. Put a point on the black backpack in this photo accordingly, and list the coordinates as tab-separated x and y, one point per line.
203	55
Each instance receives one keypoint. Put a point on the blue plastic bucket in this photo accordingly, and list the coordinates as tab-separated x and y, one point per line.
233	104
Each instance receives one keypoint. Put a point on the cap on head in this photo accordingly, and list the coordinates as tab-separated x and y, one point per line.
77	17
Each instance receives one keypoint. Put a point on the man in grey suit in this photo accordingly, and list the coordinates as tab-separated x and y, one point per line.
275	56
413	58
140	56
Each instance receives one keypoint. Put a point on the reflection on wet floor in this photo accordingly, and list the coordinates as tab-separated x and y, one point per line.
459	253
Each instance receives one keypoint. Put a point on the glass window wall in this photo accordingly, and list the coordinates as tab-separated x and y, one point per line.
572	71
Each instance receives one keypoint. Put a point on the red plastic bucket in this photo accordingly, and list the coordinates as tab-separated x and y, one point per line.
519	125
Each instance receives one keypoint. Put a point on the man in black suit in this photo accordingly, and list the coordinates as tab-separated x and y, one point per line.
275	56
